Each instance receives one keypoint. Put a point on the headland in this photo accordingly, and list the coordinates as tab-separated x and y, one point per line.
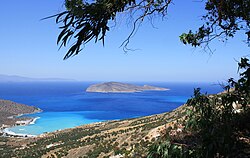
10	115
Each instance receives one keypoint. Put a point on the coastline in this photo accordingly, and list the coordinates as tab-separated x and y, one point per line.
6	132
4	129
84	137
34	120
10	133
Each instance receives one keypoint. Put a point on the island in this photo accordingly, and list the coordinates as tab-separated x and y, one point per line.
9	111
118	87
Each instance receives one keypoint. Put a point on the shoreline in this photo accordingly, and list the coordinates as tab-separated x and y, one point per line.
99	123
6	132
5	129
33	121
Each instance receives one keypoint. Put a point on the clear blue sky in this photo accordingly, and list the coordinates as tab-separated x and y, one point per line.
28	48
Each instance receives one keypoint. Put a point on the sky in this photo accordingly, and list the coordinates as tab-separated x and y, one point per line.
28	48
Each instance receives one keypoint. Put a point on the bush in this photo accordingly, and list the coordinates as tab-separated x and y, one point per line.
215	121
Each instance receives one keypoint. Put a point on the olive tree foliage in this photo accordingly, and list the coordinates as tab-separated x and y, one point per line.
223	20
89	20
83	21
217	120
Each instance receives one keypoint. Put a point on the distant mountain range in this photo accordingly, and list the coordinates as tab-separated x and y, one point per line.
15	78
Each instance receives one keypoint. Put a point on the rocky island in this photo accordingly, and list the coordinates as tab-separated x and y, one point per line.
118	87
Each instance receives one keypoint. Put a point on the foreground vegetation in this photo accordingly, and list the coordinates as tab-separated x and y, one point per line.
214	125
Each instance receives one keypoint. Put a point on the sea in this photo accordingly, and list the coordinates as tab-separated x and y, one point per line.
67	105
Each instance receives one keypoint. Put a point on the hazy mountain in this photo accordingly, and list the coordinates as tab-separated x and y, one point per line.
15	78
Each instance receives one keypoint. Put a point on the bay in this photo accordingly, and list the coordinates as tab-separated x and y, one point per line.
67	105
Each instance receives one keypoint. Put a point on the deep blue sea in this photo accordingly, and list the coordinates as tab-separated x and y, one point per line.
66	104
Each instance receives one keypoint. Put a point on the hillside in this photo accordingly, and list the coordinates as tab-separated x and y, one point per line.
9	109
126	137
117	87
113	139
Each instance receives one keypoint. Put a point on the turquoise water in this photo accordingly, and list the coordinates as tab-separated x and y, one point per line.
52	121
66	104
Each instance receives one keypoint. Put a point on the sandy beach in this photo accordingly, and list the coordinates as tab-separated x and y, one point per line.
7	132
